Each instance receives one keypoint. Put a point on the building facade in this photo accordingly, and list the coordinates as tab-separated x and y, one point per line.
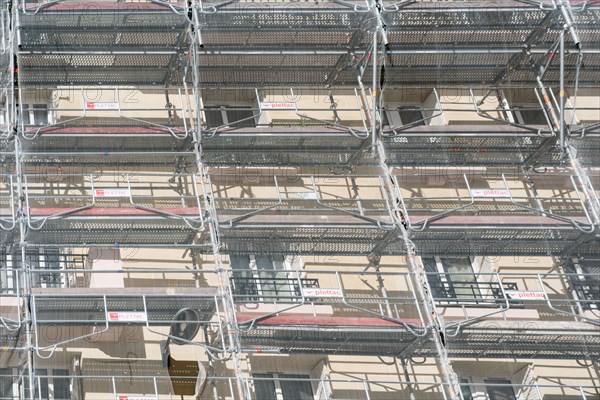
300	200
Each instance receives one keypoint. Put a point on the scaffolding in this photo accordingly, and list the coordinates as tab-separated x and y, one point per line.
271	130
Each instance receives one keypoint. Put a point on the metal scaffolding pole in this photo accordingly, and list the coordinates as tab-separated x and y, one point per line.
213	225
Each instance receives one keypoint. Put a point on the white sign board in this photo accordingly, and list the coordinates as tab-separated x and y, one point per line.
319	292
525	295
112	192
277	106
490	193
126	397
127	316
101	106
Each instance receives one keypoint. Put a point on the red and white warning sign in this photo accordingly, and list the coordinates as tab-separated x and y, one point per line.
101	106
493	193
319	292
277	106
525	295
127	316
112	192
126	397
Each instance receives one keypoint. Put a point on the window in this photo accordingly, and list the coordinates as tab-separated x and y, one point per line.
49	260
25	114
6	384
40	114
411	115
487	389
61	384
8	275
452	278
403	115
49	387
465	389
530	114
36	114
283	387
263	278
499	389
236	116
584	278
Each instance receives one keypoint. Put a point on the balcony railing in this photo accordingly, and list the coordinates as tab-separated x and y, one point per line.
255	288
448	291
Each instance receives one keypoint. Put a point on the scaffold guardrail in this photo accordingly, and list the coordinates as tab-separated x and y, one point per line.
122	210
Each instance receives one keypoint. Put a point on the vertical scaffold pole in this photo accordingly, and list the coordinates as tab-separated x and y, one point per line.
225	292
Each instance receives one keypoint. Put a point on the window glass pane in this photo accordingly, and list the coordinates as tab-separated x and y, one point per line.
40	384
410	115
6	384
214	116
243	282
462	277
586	282
465	389
25	114
438	290
499	392
264	387
385	120
237	113
40	114
533	117
296	389
61	384
8	281
275	284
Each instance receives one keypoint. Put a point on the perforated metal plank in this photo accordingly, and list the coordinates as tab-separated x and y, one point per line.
64	160
495	241
447	147
333	340
92	233
351	241
526	339
587	150
283	150
99	69
107	139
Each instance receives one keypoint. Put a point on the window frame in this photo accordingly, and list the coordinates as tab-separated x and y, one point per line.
477	385
224	108
518	116
31	108
257	275
277	377
391	114
577	267
48	379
